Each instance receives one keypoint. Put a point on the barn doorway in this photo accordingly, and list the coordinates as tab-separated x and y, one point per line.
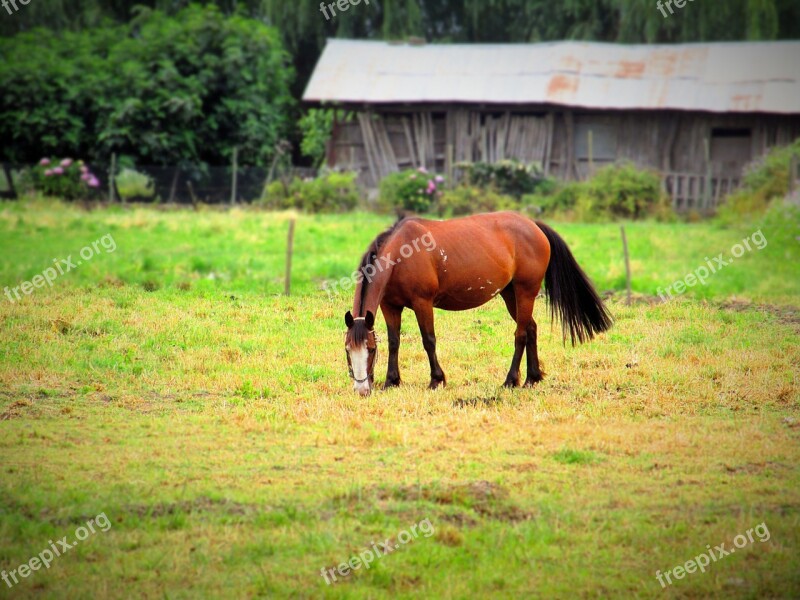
731	150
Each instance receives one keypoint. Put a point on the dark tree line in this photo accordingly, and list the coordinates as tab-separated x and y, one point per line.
304	29
167	82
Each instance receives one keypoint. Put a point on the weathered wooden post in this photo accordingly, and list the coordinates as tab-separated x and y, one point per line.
707	192
287	287
449	165
234	174
627	264
111	175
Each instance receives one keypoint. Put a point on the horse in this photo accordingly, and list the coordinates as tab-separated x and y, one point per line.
461	264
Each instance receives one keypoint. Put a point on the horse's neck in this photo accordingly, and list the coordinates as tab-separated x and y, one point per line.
376	288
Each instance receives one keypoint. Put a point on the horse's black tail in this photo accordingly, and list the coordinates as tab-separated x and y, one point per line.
572	296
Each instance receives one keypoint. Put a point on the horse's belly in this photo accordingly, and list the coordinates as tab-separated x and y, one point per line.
467	298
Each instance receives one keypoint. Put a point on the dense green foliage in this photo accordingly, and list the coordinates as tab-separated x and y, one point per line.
330	192
765	180
413	190
182	90
509	177
316	127
469	199
620	191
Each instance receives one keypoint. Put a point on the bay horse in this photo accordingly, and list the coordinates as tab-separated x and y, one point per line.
461	264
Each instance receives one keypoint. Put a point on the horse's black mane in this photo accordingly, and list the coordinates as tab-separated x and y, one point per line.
371	255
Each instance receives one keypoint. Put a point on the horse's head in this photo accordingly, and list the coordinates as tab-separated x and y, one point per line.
361	346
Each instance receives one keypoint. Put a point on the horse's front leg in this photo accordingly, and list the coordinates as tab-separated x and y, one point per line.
392	315
424	312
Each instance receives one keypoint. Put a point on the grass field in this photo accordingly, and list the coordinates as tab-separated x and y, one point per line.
169	385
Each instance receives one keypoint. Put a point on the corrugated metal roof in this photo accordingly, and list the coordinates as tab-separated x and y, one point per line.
715	77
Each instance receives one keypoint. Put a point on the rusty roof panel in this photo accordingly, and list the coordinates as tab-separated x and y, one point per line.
716	77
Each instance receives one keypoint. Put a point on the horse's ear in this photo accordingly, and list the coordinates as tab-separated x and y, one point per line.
348	319
370	320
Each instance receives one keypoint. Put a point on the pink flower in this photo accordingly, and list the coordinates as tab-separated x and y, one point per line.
422	170
66	162
58	171
85	177
84	169
44	162
439	179
431	187
93	182
48	173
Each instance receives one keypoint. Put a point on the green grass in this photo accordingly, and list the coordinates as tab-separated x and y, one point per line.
170	385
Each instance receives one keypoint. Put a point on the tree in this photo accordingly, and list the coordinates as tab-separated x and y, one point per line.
165	90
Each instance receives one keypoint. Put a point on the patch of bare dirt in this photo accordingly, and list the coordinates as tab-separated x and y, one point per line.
14	410
485	498
788	315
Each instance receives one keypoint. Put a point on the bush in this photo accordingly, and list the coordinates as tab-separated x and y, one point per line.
133	184
415	191
620	191
66	179
615	192
467	199
765	179
330	192
509	177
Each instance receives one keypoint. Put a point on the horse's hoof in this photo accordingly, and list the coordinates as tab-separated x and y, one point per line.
391	384
511	383
529	383
435	384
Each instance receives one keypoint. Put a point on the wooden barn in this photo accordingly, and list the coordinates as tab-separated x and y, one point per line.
696	112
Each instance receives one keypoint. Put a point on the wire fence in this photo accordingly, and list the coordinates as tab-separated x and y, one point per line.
176	184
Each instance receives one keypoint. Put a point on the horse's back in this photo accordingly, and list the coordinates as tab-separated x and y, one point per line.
473	258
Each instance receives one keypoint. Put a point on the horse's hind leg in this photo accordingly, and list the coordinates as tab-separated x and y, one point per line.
535	374
519	302
424	312
392	315
512	379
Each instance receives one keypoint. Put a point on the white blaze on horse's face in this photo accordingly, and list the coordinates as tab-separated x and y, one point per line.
361	345
359	357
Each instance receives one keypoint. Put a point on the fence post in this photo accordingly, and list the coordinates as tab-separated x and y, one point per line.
111	176
449	165
627	264
590	141
234	175
707	192
287	287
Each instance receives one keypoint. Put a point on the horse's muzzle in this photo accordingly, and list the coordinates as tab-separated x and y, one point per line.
363	389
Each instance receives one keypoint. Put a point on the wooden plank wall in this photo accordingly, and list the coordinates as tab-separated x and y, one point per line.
378	143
